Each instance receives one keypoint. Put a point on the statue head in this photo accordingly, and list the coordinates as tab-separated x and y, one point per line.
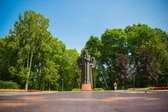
86	52
93	61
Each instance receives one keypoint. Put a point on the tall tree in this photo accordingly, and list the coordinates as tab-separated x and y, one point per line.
114	42
8	57
137	47
70	71
121	67
146	48
28	33
146	67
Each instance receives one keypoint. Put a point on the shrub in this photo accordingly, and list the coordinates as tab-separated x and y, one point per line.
161	88
94	89
98	89
8	85
34	90
76	89
146	88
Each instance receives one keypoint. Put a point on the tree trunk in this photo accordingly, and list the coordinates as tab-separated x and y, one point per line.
49	86
94	78
105	80
29	69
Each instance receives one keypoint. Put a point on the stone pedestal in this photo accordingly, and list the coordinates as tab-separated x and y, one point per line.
86	87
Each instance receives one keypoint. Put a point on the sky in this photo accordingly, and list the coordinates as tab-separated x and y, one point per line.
74	21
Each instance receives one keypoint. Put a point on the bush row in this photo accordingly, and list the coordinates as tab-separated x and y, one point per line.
8	85
161	88
94	89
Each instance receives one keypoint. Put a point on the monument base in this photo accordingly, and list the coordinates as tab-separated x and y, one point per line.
86	87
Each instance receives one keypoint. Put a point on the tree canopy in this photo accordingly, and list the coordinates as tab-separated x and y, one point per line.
136	56
30	55
133	57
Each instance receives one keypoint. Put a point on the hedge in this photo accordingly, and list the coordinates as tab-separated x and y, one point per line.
76	89
8	85
98	89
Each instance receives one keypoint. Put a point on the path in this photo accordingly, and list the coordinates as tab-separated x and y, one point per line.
126	101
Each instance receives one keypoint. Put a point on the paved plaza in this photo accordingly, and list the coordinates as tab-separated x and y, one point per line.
108	101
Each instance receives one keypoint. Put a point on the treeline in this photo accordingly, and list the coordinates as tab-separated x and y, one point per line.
136	56
34	59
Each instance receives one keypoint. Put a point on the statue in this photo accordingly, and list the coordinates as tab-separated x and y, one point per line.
86	63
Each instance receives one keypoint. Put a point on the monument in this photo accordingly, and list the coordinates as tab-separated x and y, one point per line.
86	64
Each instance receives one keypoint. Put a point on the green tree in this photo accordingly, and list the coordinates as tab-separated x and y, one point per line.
138	46
70	71
40	59
28	33
146	48
30	55
48	62
50	74
146	67
7	57
93	45
114	42
121	66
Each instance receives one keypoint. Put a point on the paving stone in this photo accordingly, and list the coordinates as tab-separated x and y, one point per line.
107	101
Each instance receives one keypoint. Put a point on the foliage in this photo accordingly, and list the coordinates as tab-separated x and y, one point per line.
136	56
146	67
8	85
76	89
35	59
121	66
70	74
98	89
142	89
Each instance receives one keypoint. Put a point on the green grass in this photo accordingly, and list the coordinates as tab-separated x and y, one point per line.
146	88
76	89
94	89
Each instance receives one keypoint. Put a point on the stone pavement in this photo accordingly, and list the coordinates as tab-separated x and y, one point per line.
107	101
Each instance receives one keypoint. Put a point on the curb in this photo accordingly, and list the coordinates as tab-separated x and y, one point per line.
26	93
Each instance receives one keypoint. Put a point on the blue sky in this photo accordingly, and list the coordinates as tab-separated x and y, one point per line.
74	21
